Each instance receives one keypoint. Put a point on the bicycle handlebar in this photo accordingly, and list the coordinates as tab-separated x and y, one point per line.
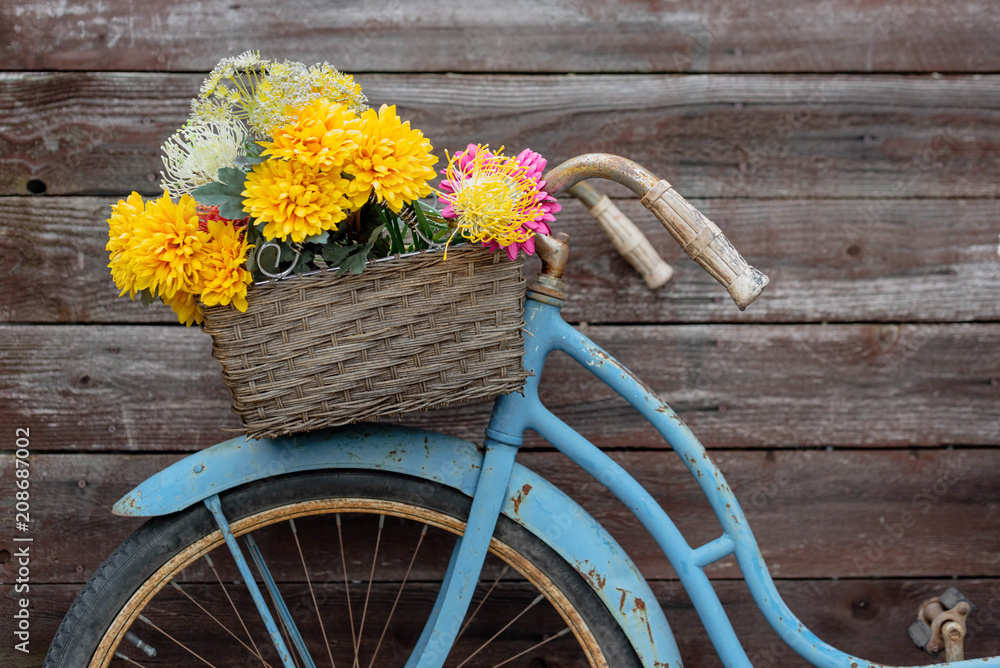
628	240
700	238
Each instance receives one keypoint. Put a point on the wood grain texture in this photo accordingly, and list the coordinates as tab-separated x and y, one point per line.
879	137
829	260
847	147
135	388
815	513
581	36
866	618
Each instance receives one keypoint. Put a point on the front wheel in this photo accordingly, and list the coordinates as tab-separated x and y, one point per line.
358	557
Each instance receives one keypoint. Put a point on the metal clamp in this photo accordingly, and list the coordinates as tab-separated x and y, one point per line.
940	625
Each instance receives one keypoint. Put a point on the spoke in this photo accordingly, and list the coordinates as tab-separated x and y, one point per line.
238	615
182	645
224	627
347	590
398	594
371	577
533	647
489	591
119	655
302	558
505	627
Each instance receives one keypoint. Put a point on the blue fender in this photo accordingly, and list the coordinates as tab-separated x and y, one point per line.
532	502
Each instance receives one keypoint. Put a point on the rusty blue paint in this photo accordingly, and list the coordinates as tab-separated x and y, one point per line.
279	602
215	507
516	413
467	559
239	461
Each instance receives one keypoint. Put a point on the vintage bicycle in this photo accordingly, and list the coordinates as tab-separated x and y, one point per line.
265	552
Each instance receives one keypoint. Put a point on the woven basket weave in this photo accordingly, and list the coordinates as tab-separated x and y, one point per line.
407	334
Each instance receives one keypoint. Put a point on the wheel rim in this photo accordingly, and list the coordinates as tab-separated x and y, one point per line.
140	600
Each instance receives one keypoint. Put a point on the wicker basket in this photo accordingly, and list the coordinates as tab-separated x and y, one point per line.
407	334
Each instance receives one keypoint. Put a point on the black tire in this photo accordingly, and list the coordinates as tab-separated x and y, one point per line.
103	611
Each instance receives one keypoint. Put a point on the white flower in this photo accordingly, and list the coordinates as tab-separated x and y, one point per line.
336	86
283	86
230	68
265	93
193	156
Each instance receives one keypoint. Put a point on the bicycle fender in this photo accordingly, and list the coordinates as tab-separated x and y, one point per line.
532	502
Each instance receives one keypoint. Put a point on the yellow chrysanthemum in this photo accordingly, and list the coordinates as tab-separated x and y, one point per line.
224	277
294	200
185	306
168	249
324	134
120	240
392	160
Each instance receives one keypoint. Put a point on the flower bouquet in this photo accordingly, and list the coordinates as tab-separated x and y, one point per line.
299	227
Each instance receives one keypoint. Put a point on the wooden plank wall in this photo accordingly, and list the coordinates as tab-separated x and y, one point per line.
849	149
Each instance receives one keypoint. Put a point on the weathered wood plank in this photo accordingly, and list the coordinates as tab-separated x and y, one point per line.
580	36
829	260
880	137
866	618
153	388
816	513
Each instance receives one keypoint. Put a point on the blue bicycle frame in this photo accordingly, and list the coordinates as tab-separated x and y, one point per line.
499	486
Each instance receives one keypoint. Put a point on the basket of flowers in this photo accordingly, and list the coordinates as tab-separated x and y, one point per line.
300	228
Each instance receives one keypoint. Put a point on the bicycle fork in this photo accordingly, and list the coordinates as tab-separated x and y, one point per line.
455	595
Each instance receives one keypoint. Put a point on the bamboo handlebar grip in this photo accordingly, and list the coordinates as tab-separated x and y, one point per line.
701	239
705	243
631	243
626	237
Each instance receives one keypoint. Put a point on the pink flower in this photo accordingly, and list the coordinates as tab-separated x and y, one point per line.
534	208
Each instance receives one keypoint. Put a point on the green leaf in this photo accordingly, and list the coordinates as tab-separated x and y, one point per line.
233	178
320	238
302	264
253	149
147	297
253	235
423	226
226	193
375	234
355	263
211	193
248	160
397	237
232	208
334	255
